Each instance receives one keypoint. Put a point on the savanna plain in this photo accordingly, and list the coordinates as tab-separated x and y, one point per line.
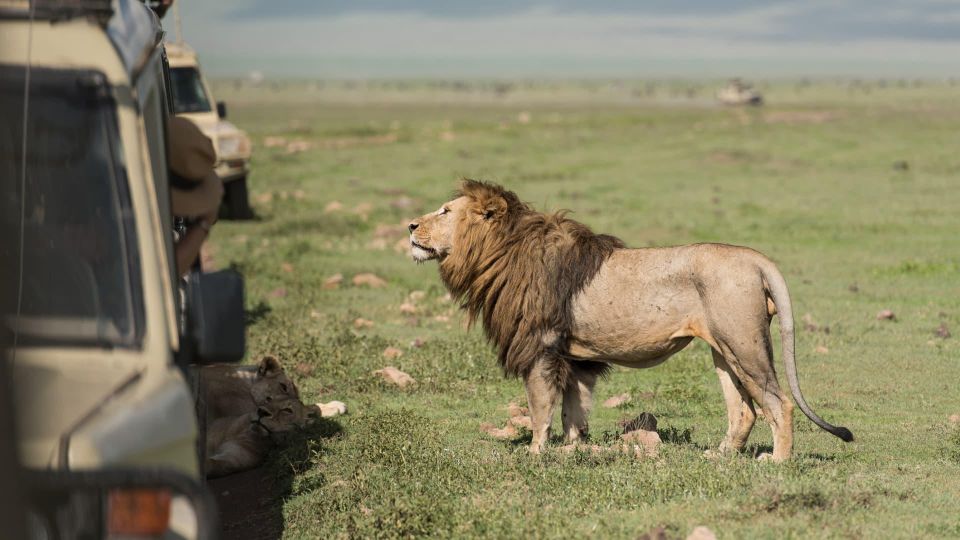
851	187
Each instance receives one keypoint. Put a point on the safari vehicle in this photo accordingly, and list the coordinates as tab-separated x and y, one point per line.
737	92
99	329
192	99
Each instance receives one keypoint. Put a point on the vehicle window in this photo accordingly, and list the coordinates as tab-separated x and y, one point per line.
81	279
189	95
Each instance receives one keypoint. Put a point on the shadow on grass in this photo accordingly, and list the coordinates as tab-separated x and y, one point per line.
256	313
251	502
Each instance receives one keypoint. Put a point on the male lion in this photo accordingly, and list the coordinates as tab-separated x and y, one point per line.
561	303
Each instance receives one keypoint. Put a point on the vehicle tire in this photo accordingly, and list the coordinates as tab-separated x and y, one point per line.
236	200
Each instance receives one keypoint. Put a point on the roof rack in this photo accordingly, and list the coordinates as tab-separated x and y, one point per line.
57	10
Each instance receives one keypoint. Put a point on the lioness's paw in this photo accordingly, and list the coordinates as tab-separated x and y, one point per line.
766	456
333	408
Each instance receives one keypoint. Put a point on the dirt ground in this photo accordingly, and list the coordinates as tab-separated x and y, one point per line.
249	504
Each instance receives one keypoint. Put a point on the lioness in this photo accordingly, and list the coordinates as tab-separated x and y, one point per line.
235	390
562	303
237	443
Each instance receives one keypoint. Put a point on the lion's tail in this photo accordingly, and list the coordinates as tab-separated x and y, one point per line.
777	288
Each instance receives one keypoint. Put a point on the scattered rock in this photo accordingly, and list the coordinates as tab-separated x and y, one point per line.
821	350
901	165
942	332
300	145
417	343
448	136
393	375
333	206
278	293
286	267
360	323
516	410
391	353
442	318
642	431
521	422
314	314
369	280
702	533
332	282
886	315
299	194
955	419
407	308
416	296
524	117
264	198
617	401
507	432
854	288
273	142
332	408
363	210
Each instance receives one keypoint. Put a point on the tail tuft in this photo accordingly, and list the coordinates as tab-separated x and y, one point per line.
845	434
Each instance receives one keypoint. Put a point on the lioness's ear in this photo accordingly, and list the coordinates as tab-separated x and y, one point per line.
269	366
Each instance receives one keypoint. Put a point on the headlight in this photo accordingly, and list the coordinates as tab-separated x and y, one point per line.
229	146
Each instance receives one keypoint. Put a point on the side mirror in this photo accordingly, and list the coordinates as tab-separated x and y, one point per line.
215	329
221	109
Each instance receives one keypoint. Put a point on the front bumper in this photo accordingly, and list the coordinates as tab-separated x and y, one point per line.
232	169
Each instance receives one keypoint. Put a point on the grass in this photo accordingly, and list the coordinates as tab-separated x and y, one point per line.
808	180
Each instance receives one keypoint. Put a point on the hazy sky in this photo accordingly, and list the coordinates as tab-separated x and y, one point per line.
556	38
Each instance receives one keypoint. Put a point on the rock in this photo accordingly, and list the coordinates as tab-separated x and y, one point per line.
516	410
369	280
656	533
286	267
393	375
854	288
702	533
617	401
821	349
295	147
360	323
332	282
392	353
448	136
278	293
942	331
441	318
363	210
886	315
416	296
507	432
407	308
521	422
304	369
901	165
646	442
954	418
523	117
273	141
333	206
417	343
314	314
332	408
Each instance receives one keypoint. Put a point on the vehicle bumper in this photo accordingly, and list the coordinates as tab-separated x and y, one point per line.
232	169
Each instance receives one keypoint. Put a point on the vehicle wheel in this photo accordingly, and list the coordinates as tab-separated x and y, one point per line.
236	200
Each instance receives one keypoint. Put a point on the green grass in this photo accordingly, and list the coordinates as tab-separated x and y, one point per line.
808	180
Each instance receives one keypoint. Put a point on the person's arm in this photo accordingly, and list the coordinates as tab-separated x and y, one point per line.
188	248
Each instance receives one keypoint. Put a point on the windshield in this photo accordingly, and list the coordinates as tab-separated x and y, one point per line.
189	96
80	269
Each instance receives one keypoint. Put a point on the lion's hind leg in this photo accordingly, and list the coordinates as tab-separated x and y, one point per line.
741	415
577	401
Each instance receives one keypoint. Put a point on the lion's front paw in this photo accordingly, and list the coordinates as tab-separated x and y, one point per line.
766	456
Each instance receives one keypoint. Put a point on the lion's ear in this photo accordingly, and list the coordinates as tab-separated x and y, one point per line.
494	208
269	366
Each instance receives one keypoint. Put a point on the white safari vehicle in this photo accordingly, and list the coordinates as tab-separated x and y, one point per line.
193	100
96	328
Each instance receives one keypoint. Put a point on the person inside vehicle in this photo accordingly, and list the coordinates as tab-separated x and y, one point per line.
195	188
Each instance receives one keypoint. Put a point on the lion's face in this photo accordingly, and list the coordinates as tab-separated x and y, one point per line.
272	384
432	236
283	415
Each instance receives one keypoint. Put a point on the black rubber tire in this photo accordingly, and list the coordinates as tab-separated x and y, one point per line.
236	200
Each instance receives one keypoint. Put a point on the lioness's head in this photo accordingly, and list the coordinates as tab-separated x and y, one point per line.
272	383
283	415
476	207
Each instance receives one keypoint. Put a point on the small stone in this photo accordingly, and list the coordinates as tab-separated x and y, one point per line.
391	353
507	432
332	408
955	418
524	117
442	318
821	350
286	267
702	533
304	369
942	332
854	288
416	296
648	440
278	293
314	314
360	323
886	315
656	533
417	343
363	210
617	401
332	282
516	410
407	308
333	206
393	375
369	280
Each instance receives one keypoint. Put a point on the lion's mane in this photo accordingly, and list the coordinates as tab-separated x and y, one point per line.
518	270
